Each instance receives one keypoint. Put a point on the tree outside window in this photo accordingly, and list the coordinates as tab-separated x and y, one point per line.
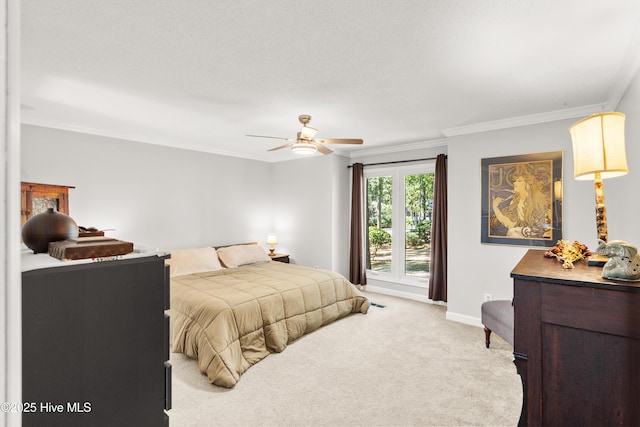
419	207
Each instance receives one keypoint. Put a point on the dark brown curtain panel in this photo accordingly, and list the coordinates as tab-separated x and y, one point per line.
438	270
356	252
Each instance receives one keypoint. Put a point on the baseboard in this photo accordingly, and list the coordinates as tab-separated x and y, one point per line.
461	318
401	294
455	317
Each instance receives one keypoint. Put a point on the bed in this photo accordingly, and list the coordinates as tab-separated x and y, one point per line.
236	306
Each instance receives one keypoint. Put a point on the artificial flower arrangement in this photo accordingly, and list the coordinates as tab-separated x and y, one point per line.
568	252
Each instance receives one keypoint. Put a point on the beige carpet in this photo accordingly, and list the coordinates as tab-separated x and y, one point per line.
402	365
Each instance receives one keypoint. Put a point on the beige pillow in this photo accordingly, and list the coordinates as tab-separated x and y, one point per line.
188	261
237	255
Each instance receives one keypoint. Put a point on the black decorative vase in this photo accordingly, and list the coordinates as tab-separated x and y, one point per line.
45	227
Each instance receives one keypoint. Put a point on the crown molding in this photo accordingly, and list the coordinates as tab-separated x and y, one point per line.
134	138
550	116
390	149
628	71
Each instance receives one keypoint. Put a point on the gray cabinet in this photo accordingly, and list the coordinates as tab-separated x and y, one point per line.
95	344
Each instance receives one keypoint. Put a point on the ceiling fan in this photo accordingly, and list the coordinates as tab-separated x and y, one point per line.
304	142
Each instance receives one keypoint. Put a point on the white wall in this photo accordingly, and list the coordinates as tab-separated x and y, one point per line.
475	268
156	197
303	206
341	193
622	194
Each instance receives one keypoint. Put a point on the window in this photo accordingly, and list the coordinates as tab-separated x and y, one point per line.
399	207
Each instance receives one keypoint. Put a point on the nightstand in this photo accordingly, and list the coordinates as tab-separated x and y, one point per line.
280	258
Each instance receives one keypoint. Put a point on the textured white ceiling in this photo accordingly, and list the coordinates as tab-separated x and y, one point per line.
201	74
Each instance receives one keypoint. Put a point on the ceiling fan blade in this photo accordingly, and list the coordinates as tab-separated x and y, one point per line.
272	137
339	141
323	149
280	147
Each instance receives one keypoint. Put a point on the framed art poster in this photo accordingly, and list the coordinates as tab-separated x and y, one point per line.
522	199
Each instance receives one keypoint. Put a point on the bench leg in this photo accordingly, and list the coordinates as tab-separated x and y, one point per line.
487	334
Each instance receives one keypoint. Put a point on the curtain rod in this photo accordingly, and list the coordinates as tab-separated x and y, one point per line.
397	161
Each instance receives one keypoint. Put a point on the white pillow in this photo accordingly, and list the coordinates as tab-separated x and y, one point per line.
237	255
188	261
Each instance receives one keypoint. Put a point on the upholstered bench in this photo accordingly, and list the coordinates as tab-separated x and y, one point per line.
497	316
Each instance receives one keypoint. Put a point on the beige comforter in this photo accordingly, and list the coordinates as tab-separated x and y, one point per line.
230	319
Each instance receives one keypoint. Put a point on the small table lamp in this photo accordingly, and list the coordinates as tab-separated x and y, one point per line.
599	153
272	240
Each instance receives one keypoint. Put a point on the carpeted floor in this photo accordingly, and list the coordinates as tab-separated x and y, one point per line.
402	365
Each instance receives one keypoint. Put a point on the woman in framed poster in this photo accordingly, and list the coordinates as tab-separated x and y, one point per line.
519	204
526	213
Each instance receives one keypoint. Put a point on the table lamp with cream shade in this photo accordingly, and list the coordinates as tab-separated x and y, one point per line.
599	153
272	241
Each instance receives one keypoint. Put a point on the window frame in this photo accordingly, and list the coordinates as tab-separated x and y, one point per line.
398	224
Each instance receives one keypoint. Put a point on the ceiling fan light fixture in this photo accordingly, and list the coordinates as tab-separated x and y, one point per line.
308	133
304	148
305	144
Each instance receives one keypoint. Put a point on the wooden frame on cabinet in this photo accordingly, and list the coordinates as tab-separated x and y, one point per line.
58	194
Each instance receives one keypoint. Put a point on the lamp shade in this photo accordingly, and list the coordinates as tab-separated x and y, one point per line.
272	239
598	146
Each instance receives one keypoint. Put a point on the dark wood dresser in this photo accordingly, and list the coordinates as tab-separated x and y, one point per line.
576	344
95	344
